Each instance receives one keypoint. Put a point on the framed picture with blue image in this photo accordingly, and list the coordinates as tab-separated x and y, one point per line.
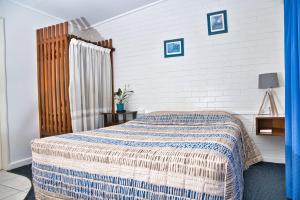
217	22
174	47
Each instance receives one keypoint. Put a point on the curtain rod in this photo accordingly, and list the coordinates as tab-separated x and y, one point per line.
88	41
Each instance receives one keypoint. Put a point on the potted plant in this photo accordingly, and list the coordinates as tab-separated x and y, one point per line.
121	96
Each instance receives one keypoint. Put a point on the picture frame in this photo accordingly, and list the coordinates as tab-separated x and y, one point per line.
217	22
173	48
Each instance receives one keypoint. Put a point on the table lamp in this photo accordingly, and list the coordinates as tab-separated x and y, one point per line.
268	81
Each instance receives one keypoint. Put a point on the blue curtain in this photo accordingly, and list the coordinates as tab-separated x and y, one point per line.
292	97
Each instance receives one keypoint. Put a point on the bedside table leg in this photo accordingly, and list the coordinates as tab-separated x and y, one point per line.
134	115
116	119
105	120
124	117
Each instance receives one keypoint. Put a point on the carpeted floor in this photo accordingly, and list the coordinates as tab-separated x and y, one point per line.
263	181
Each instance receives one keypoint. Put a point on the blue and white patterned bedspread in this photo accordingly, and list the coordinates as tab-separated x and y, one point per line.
161	155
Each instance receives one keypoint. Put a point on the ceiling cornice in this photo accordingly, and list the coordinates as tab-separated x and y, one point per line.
93	25
127	13
36	10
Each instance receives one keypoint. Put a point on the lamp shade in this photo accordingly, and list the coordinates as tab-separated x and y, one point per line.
268	80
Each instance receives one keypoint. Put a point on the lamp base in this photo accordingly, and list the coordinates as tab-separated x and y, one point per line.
273	110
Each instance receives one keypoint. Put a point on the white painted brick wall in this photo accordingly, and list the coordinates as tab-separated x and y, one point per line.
218	72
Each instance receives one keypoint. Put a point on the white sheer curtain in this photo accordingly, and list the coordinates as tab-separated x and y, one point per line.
90	84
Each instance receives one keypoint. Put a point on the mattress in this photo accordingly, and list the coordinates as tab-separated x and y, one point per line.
160	155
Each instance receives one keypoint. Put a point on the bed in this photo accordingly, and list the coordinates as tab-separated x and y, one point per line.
160	155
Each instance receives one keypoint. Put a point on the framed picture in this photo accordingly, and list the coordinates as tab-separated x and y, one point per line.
217	22
174	47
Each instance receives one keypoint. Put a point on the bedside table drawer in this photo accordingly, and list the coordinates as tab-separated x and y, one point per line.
273	126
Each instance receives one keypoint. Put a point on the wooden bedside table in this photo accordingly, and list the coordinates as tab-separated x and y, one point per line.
111	119
269	125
